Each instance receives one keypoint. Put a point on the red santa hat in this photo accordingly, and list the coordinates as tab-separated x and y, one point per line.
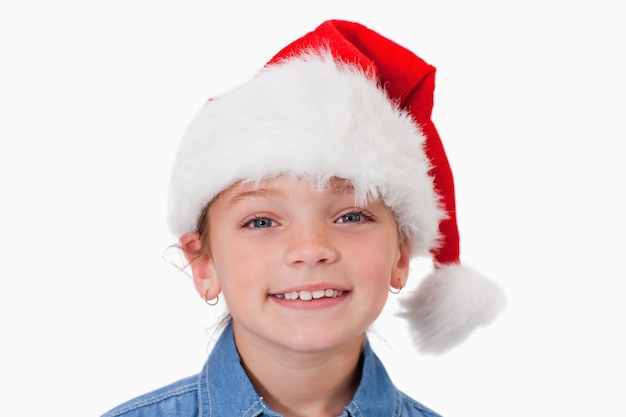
344	101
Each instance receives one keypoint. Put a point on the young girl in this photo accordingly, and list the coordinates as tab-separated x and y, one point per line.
300	198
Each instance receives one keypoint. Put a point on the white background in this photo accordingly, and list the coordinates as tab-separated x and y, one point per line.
94	96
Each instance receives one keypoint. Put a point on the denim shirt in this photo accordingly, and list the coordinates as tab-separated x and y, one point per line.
223	389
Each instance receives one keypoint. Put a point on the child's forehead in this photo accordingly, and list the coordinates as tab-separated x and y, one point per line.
285	183
285	186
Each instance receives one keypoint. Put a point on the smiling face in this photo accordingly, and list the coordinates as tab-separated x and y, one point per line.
300	269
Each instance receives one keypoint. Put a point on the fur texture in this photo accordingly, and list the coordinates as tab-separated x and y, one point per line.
449	305
311	117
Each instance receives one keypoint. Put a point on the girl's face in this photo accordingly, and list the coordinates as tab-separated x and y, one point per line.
300	269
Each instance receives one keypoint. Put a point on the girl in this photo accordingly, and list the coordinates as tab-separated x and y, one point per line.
300	198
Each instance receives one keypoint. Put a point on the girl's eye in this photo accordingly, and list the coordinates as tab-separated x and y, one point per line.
354	217
350	218
260	223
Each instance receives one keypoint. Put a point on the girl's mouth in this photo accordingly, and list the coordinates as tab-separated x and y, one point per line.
309	295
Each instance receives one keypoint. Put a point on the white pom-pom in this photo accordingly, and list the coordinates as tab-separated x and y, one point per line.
448	305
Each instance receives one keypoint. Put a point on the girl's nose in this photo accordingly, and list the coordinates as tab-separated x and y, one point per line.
310	246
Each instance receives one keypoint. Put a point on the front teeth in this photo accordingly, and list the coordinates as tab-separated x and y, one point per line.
310	295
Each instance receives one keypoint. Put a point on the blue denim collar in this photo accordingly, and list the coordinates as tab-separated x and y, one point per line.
226	390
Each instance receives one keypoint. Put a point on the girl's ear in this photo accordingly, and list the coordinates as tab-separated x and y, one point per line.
204	278
401	268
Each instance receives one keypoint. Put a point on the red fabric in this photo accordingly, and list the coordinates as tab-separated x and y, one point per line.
410	82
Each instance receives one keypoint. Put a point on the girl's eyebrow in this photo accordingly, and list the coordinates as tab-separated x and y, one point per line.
338	186
258	193
341	187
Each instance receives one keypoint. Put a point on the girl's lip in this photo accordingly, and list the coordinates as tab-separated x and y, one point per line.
317	293
306	300
312	287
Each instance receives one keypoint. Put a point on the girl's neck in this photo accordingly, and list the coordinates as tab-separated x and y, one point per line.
298	384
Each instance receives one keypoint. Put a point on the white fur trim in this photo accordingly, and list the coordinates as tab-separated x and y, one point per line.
448	305
315	118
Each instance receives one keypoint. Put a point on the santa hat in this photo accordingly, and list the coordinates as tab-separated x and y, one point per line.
344	101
